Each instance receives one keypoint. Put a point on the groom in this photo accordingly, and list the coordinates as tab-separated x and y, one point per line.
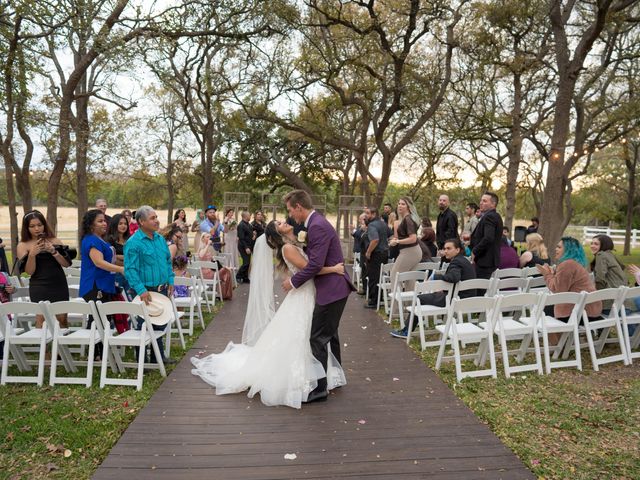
332	291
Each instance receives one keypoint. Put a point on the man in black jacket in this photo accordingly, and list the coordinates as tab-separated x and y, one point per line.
447	224
459	269
245	247
486	238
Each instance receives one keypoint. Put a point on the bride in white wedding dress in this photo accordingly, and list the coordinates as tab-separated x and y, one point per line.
275	357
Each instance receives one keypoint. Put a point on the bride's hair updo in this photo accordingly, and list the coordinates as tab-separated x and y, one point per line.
276	242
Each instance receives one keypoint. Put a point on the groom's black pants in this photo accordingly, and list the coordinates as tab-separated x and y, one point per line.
324	330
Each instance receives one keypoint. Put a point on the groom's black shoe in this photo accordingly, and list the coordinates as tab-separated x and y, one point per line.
317	396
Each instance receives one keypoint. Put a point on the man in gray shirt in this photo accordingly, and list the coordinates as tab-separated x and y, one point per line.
377	254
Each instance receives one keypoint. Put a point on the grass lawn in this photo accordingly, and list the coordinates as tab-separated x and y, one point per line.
67	430
570	424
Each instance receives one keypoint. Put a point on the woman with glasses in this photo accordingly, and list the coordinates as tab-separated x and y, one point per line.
42	256
173	235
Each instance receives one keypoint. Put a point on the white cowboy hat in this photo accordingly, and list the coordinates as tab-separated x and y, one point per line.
160	309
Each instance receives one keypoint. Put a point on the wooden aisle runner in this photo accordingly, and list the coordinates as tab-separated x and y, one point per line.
394	419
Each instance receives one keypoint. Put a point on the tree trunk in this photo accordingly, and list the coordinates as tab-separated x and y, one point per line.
170	189
13	213
515	152
59	162
553	220
207	165
631	161
82	145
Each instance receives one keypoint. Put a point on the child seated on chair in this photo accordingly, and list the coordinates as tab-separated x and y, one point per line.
180	269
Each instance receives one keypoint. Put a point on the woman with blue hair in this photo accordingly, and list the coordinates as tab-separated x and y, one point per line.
570	275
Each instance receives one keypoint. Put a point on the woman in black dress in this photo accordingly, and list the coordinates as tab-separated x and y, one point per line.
42	256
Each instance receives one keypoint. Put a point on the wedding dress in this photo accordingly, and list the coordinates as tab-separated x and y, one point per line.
280	365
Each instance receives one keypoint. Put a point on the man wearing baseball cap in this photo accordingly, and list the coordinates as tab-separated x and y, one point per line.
212	225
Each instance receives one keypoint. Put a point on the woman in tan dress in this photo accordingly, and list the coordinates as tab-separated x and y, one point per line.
406	238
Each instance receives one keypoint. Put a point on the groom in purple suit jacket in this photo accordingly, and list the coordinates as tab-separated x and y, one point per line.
332	291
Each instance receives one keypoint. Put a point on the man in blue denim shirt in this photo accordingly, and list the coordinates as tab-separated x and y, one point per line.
147	264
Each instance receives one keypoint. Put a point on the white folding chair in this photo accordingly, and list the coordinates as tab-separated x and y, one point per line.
15	341
177	316
509	286
604	327
485	284
426	266
213	285
384	286
525	328
131	338
530	272
569	330
71	271
192	302
401	293
632	342
14	281
201	289
457	330
424	312
537	284
226	259
507	273
357	271
81	337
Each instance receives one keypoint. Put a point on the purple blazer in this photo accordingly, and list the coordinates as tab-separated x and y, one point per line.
324	250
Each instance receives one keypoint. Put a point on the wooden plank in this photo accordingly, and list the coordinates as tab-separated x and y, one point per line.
394	419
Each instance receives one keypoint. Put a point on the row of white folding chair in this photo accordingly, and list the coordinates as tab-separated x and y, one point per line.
528	328
458	331
402	295
17	340
100	331
389	294
597	331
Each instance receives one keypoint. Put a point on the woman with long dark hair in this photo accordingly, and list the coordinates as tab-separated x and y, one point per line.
180	220
607	270
42	256
173	235
117	235
97	279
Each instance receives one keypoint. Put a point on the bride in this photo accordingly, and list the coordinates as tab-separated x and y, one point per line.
274	358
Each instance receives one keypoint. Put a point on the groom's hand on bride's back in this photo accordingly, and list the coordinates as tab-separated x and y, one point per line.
286	284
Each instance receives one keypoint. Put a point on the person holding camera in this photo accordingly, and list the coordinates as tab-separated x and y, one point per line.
42	256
